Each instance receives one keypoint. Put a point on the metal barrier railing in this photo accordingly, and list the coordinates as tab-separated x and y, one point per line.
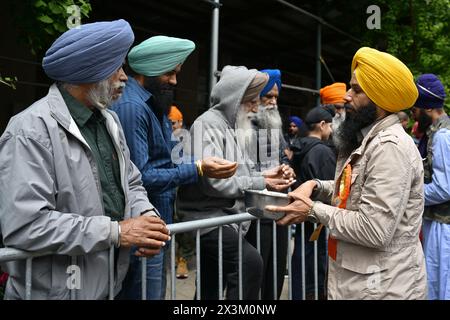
9	254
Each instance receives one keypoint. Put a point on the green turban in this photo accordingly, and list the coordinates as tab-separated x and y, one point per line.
158	55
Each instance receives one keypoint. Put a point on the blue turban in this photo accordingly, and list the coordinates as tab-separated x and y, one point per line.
274	78
158	55
431	92
90	53
298	122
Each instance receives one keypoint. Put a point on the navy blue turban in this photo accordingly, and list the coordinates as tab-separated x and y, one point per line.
274	78
431	92
90	53
298	122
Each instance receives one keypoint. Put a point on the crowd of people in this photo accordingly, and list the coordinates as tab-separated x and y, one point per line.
105	161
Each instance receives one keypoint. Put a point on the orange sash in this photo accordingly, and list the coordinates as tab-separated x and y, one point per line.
341	202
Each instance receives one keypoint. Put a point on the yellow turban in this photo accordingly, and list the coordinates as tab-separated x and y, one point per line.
385	79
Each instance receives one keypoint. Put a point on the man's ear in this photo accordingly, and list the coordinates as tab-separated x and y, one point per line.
322	125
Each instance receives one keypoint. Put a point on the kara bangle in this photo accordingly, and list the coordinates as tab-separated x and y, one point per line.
118	238
198	163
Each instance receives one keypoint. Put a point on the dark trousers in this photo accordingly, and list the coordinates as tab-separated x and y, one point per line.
309	264
209	260
266	238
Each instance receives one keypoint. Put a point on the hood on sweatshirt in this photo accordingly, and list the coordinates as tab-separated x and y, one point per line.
227	94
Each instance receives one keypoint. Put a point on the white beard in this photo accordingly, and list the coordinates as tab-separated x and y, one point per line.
102	96
269	118
245	133
337	121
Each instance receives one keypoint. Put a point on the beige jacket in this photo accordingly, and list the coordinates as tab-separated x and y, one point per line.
379	255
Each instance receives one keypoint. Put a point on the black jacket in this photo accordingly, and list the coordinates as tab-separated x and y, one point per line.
313	159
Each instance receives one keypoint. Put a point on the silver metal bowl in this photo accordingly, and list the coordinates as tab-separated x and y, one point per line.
257	200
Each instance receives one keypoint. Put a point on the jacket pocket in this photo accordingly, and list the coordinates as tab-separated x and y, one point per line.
360	259
363	271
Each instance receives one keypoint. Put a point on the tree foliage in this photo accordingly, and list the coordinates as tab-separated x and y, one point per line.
41	21
417	32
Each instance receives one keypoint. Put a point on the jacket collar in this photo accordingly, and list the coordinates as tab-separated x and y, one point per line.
138	89
442	121
58	108
77	110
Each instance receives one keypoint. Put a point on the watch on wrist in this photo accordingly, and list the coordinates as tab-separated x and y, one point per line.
311	217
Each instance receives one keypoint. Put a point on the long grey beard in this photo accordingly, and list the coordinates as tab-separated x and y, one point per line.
245	132
102	94
338	119
269	118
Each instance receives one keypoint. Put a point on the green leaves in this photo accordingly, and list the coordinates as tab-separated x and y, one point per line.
40	3
417	32
45	19
40	22
9	81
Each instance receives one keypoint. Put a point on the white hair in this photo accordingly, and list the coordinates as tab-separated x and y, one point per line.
269	118
245	132
102	96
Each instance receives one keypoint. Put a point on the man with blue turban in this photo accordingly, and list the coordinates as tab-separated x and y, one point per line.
270	153
436	223
143	112
67	185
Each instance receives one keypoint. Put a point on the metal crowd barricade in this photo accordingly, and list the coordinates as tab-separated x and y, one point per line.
8	254
219	222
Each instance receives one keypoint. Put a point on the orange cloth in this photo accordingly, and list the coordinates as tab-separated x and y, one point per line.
344	183
333	93
332	248
175	114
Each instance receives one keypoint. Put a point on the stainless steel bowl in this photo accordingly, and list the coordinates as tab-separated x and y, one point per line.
257	200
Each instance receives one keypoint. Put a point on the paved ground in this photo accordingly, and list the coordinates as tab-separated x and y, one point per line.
185	288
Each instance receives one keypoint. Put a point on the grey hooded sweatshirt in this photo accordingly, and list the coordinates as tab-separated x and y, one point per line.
213	134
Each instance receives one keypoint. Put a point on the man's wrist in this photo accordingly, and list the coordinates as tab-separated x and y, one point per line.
148	212
198	164
115	234
317	188
311	217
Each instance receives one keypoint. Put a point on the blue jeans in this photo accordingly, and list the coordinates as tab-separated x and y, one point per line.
309	263
156	278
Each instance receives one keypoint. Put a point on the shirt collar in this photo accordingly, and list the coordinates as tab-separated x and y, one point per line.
138	88
365	130
79	112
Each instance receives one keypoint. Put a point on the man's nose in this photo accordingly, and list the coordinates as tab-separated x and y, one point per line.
173	80
347	96
122	75
273	101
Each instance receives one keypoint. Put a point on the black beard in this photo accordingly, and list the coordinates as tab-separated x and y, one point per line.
424	120
346	136
162	95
